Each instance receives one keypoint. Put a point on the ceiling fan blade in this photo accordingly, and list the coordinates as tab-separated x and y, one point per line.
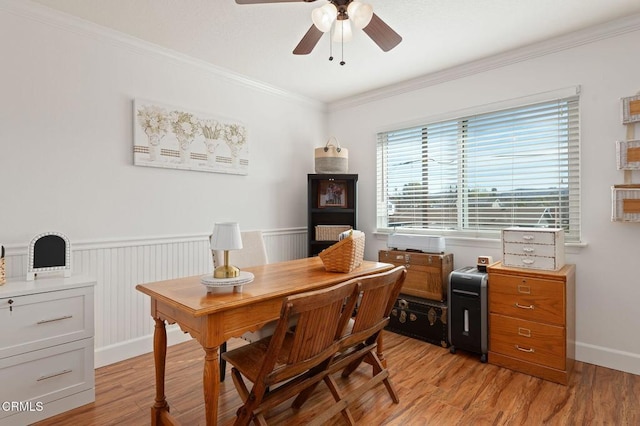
308	42
272	1
382	34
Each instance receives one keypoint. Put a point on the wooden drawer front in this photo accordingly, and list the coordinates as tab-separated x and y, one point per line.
48	374
427	274
529	236
527	298
530	249
40	320
422	281
533	262
528	341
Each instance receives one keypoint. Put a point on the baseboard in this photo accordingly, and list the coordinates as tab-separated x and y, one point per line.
135	347
609	358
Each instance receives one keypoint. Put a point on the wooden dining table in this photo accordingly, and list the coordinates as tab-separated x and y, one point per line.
214	317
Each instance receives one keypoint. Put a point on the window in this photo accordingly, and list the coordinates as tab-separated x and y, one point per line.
476	175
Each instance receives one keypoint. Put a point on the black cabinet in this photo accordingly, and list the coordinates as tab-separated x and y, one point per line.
332	201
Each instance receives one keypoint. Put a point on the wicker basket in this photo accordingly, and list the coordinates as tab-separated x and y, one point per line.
345	255
628	155
625	200
330	232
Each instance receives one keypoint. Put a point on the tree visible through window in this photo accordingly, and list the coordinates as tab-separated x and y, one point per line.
479	174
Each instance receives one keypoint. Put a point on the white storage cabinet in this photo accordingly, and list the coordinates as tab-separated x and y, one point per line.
46	347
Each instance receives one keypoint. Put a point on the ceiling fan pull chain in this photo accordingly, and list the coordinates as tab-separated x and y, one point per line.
342	43
330	49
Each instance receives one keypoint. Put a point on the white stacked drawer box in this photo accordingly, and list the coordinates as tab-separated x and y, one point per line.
535	248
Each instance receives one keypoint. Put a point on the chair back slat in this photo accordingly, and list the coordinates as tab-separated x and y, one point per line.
378	293
315	331
322	318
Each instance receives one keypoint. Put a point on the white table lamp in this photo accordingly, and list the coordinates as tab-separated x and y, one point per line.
226	236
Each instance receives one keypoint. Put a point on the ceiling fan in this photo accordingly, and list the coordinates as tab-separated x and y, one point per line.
343	13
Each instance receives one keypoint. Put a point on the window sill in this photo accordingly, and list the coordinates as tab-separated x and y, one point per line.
479	242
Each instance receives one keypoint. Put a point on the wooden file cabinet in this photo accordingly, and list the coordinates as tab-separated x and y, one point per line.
46	347
532	320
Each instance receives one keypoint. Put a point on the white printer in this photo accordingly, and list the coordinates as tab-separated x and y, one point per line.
424	243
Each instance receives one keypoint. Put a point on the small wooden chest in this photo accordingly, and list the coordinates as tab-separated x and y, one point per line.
427	273
421	319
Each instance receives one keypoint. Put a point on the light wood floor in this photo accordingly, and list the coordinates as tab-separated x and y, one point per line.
435	388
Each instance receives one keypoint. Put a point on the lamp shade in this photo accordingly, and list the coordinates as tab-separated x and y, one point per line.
360	13
324	16
226	236
342	31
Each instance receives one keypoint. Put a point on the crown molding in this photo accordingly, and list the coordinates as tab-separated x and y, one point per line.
82	27
557	44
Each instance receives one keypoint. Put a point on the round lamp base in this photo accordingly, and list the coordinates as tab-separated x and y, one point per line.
226	271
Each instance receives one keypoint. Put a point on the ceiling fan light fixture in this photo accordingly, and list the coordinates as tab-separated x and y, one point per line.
360	13
324	16
342	31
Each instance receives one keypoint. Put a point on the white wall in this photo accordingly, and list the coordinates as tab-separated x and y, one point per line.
607	279
66	163
67	90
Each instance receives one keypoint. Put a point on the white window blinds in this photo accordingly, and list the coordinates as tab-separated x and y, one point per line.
478	174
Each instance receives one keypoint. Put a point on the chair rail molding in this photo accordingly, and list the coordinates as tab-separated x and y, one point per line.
123	325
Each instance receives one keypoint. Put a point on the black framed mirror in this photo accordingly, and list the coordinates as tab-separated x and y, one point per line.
49	252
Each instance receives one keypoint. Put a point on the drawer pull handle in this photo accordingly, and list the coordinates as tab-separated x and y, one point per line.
50	376
528	350
528	237
55	319
528	261
524	332
528	249
517	305
524	289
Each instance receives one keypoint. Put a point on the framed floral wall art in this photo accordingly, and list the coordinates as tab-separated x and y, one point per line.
176	138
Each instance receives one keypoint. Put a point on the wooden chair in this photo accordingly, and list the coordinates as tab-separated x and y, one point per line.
253	253
378	294
292	358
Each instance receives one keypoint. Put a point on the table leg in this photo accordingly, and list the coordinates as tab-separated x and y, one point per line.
159	356
211	383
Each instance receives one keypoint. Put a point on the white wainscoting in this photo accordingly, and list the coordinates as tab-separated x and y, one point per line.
123	325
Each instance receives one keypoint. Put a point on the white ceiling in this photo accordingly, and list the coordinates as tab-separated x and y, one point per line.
256	41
